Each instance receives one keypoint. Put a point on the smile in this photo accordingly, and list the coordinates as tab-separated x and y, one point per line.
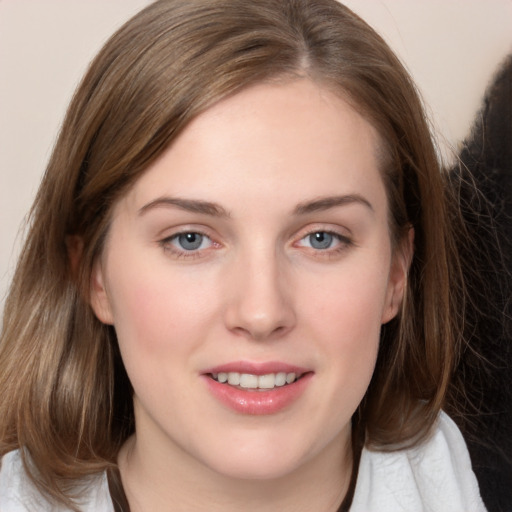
251	381
257	388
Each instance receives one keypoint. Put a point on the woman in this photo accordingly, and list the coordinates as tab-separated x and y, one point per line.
240	288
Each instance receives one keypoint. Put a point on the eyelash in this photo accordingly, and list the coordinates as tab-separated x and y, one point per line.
168	246
344	243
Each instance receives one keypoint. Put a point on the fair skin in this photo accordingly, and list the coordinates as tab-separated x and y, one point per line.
288	265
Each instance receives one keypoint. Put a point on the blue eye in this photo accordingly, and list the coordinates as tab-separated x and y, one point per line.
321	240
328	242
187	244
190	241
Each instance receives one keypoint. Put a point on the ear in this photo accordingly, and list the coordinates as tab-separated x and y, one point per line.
99	300
397	284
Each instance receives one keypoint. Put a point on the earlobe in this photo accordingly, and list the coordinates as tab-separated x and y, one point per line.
99	300
399	272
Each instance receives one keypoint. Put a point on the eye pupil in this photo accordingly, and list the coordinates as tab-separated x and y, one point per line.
320	240
190	241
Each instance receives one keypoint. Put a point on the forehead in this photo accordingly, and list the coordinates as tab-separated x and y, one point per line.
296	139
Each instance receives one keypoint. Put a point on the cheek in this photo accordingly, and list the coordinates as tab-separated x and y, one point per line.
140	312
351	338
343	319
346	315
351	301
154	327
158	311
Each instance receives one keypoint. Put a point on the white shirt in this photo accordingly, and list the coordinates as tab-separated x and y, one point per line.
435	476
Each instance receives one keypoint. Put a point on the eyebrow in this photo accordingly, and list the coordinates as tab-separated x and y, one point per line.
216	210
190	205
325	203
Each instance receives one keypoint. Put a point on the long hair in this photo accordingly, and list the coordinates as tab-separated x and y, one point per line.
66	399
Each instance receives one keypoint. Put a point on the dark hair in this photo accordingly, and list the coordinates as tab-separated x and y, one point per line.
66	397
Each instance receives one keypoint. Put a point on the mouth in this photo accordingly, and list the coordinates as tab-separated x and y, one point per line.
252	382
258	388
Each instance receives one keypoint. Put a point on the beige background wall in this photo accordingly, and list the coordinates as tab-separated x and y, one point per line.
451	47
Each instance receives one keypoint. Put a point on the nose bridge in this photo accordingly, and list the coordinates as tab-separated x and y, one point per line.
259	305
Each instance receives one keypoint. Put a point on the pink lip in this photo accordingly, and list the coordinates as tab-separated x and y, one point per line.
255	402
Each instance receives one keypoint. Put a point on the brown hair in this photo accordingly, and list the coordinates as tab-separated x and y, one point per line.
65	396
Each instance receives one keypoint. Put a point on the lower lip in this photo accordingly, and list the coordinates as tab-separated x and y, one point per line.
258	402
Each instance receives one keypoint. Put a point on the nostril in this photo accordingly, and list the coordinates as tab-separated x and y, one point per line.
259	333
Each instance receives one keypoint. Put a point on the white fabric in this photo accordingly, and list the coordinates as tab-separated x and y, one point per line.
433	477
18	494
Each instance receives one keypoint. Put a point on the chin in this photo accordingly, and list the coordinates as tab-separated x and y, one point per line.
261	459
256	469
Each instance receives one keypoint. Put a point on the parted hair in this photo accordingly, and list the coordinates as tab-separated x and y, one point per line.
66	399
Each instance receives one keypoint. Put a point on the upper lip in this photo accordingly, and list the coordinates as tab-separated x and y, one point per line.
257	368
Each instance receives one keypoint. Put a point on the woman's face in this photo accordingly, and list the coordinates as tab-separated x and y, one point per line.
257	250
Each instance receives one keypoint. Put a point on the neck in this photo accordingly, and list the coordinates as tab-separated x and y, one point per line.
152	481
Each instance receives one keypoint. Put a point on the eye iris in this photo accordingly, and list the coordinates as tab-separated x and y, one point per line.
320	240
190	241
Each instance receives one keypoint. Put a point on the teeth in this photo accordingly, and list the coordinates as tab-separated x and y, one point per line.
280	379
290	377
267	381
233	378
250	381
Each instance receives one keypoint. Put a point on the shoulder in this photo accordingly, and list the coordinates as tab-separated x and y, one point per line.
19	494
435	476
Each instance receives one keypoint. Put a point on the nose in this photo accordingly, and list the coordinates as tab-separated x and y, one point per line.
260	298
